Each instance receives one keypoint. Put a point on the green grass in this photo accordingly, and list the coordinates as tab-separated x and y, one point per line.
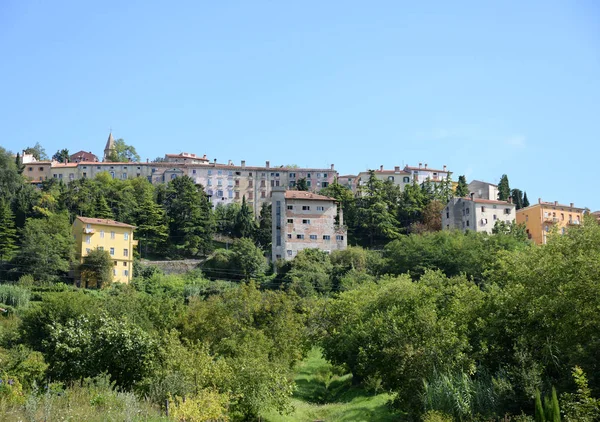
324	395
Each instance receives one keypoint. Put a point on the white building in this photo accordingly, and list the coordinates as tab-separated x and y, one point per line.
476	214
483	190
305	220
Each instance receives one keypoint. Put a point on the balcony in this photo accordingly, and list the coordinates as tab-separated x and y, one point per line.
550	220
89	231
574	222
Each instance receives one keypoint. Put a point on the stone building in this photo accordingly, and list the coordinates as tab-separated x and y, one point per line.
476	214
305	220
483	190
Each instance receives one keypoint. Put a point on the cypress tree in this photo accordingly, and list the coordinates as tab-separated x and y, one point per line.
462	189
555	407
8	233
503	188
525	200
539	409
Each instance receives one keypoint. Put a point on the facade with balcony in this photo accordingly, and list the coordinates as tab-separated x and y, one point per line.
544	218
305	220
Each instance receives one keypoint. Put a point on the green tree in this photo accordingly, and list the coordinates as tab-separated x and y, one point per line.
245	224
10	178
503	188
8	233
462	188
48	248
123	153
309	272
525	200
96	269
101	209
302	184
517	198
376	219
61	155
248	259
189	214
262	235
149	217
38	152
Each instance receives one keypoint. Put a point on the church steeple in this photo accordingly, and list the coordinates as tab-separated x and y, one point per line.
109	148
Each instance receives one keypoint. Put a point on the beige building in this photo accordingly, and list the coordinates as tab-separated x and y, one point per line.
37	171
476	214
305	220
541	218
397	176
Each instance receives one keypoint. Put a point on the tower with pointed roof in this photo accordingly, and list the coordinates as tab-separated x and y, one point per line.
109	148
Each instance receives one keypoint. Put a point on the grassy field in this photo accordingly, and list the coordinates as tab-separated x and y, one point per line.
323	395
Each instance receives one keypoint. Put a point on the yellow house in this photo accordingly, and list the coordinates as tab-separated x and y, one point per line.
112	236
540	218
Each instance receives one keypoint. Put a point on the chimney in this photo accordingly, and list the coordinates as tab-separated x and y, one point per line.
472	194
397	169
425	165
539	200
381	167
510	199
243	163
147	160
555	203
444	167
267	164
572	204
332	167
420	164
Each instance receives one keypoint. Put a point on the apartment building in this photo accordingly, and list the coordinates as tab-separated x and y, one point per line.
421	173
305	220
112	236
349	181
68	172
476	214
542	218
397	176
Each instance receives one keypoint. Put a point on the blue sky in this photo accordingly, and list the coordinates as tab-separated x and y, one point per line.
484	87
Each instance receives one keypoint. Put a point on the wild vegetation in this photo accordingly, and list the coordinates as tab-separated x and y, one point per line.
427	325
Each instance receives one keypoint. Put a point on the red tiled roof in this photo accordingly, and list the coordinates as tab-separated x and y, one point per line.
488	201
298	194
426	169
104	222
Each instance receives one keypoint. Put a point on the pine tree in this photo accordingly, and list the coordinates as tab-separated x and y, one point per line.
262	236
503	188
525	200
517	197
462	189
8	233
102	210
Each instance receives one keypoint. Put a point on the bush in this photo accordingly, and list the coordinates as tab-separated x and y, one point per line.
14	296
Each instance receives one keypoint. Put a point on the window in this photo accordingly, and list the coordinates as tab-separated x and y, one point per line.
262	184
210	172
546	228
289	236
563	230
406	179
467	211
263	195
494	217
112	252
306	221
237	195
391	178
209	182
305	207
249	183
300	236
41	168
326	237
100	248
308	175
290	221
125	273
115	262
292	175
447	215
88	239
313	237
219	172
101	234
482	209
467	222
126	236
250	195
112	235
230	194
507	211
289	252
325	184
325	175
219	182
290	207
114	272
193	171
87	250
124	263
125	252
320	208
124	175
308	183
339	237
